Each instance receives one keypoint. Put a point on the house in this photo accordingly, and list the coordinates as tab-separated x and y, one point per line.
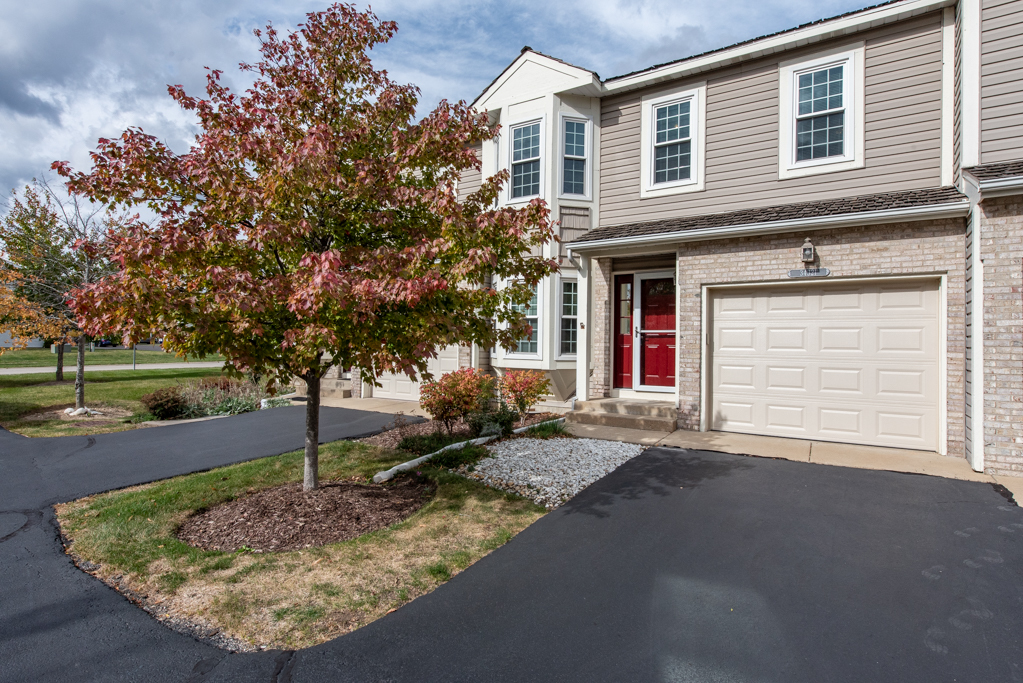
815	234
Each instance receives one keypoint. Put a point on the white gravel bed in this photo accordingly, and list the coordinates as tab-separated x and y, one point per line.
550	471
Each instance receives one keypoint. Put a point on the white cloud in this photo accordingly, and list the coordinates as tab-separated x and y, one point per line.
72	71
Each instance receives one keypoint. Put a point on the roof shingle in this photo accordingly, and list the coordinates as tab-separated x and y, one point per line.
768	214
1005	169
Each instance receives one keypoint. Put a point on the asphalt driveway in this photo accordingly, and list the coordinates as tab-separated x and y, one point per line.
679	566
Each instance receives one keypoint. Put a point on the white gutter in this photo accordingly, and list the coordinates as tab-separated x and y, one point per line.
811	34
1001	187
916	213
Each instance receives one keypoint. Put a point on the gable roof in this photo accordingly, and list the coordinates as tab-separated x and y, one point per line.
526	49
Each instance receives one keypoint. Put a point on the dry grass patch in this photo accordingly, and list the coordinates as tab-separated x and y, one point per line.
286	599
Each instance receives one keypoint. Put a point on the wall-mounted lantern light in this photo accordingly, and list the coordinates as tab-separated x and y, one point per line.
807	251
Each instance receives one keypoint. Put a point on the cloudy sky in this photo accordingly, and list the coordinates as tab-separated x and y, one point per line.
72	71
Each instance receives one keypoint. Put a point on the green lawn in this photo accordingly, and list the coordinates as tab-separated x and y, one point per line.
24	394
43	358
298	598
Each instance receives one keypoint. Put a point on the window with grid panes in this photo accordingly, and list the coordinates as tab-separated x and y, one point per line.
569	317
526	160
820	114
574	181
672	142
529	344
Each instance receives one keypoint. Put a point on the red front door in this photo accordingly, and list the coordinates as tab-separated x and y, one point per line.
622	330
656	327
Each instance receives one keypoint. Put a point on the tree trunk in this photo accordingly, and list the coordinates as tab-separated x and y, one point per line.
80	373
60	361
312	431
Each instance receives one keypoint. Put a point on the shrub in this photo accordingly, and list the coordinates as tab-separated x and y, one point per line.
547	430
524	388
456	395
221	396
166	403
498	422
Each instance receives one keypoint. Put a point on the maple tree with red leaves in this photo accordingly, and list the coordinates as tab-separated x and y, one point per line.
314	223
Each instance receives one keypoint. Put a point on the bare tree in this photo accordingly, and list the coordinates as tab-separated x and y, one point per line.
39	235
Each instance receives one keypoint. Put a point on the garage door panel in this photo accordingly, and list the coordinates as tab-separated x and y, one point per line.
402	387
852	363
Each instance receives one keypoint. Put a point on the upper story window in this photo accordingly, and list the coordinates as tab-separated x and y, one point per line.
673	141
526	160
821	128
673	148
574	162
820	115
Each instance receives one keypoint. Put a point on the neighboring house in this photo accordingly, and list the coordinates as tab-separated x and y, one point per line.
815	234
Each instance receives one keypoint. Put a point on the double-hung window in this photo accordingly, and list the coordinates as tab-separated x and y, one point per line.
673	141
526	160
569	317
821	113
673	145
574	161
529	344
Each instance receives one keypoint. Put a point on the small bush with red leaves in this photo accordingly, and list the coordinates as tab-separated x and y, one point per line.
456	395
524	388
166	403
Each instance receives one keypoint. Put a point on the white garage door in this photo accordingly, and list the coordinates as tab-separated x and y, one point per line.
856	363
401	386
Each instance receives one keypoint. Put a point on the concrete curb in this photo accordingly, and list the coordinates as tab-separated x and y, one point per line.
412	464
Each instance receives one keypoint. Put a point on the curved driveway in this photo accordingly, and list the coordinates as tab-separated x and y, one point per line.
679	566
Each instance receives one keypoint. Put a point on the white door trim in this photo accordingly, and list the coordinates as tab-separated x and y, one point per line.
637	347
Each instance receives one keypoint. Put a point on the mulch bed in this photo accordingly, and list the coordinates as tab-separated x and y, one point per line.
392	437
287	518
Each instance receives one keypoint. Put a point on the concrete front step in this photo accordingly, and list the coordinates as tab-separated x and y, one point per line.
624	406
623	420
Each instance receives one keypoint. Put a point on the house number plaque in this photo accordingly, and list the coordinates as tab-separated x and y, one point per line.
810	272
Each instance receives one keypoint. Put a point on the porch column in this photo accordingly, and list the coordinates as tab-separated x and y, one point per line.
583	351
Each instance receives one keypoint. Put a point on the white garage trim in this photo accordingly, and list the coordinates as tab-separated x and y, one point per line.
707	292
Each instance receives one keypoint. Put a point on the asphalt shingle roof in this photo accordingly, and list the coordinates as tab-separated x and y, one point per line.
1005	169
768	214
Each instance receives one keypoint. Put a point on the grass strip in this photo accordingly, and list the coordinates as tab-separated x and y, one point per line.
289	599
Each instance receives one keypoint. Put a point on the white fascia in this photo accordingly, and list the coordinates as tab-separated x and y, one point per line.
916	213
816	33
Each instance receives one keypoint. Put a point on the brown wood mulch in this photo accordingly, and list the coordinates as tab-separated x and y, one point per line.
287	518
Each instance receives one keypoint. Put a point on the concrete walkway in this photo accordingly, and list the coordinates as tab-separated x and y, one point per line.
70	369
390	406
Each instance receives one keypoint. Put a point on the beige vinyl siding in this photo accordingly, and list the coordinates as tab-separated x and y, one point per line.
1001	86
902	133
471	179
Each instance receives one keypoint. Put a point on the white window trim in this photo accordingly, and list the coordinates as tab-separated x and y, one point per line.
561	311
539	329
852	57
697	94
509	150
587	180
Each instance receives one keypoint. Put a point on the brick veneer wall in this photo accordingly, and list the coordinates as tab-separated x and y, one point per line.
1002	253
901	248
600	334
